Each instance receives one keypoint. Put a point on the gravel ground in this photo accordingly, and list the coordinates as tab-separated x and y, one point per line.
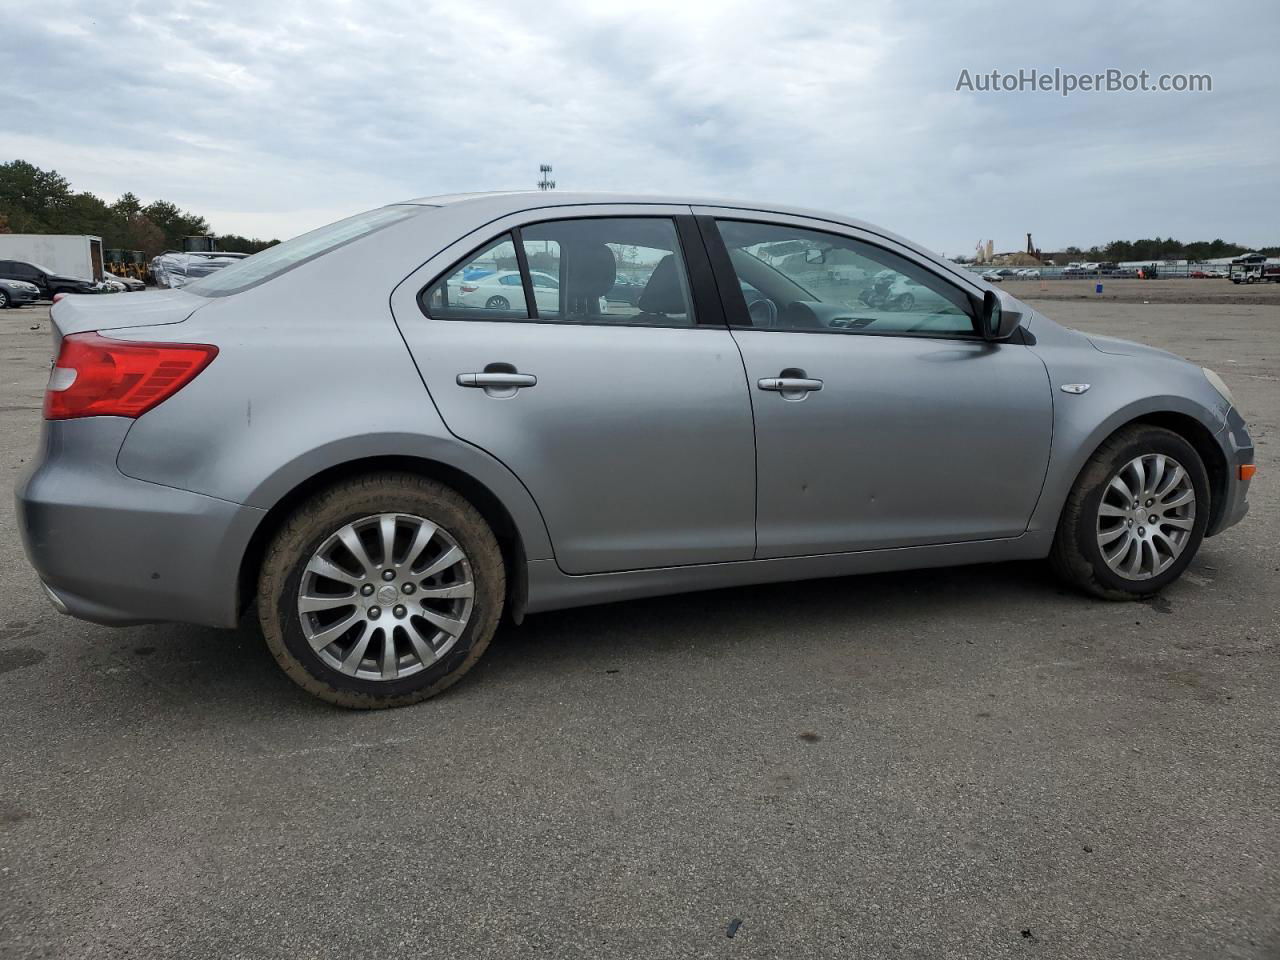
961	763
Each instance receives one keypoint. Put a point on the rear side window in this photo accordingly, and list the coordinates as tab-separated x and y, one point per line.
273	261
599	270
487	286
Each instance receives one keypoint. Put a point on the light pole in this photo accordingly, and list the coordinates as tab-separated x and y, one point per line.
546	183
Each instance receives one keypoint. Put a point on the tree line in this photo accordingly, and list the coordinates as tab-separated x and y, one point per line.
42	201
1166	248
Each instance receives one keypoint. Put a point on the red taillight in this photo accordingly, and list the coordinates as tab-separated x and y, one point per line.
57	297
97	377
469	288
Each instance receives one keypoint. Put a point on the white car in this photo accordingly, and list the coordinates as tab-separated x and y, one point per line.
497	291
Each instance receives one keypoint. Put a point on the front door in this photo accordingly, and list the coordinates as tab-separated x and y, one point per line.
629	425
882	419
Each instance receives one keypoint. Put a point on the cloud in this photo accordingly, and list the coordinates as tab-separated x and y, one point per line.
272	118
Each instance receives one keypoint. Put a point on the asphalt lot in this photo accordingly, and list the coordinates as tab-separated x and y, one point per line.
961	763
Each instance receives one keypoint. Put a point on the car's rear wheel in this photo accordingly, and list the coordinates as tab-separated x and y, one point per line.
498	303
381	591
1136	515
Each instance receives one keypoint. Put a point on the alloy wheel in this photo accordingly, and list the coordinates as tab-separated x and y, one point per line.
386	596
1146	516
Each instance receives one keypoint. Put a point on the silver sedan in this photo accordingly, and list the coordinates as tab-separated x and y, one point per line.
384	477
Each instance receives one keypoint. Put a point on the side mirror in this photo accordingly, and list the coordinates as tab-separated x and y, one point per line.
1000	316
815	255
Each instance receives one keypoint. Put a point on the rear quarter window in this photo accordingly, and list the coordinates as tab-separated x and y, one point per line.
273	261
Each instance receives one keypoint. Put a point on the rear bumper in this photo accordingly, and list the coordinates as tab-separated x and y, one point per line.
115	550
1238	447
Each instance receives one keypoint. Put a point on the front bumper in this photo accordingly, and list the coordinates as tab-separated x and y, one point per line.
115	550
22	297
1238	447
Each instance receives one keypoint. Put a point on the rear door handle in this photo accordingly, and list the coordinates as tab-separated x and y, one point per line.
791	387
487	380
501	383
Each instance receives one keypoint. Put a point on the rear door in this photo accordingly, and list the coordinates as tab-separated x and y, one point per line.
882	419
630	426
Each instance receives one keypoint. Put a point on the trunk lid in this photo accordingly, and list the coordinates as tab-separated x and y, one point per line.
80	313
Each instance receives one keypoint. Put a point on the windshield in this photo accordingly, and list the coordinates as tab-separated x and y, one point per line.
274	261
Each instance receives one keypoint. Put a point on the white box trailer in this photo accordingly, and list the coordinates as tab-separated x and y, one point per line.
65	255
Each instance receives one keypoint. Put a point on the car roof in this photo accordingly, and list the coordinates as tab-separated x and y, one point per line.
502	202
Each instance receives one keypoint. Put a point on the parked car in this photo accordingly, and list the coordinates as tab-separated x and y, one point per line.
626	291
110	285
992	276
17	293
497	291
383	474
46	281
130	284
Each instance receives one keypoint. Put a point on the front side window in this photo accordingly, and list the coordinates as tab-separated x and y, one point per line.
797	279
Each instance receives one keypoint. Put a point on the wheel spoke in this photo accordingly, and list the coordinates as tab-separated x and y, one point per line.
310	604
1157	471
326	636
1117	484
1185	497
1109	510
455	591
1141	474
390	665
1182	523
387	529
1110	536
351	662
448	624
351	540
1134	564
443	562
1115	556
422	648
426	530
1175	478
323	568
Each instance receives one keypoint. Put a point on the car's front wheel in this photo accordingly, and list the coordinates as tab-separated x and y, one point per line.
381	591
1136	515
4	299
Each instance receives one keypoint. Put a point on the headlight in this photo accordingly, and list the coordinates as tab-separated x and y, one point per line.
1219	385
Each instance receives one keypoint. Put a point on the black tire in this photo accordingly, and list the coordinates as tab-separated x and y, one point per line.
4	299
1076	556
312	523
498	303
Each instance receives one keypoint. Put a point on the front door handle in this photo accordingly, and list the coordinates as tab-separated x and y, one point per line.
792	384
498	383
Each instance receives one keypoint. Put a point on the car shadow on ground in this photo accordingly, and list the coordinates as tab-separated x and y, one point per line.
207	666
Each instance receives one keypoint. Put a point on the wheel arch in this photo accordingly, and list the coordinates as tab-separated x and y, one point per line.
1176	417
491	508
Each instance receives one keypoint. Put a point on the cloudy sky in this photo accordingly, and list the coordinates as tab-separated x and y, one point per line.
273	117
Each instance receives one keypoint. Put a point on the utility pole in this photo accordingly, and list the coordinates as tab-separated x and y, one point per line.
546	183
